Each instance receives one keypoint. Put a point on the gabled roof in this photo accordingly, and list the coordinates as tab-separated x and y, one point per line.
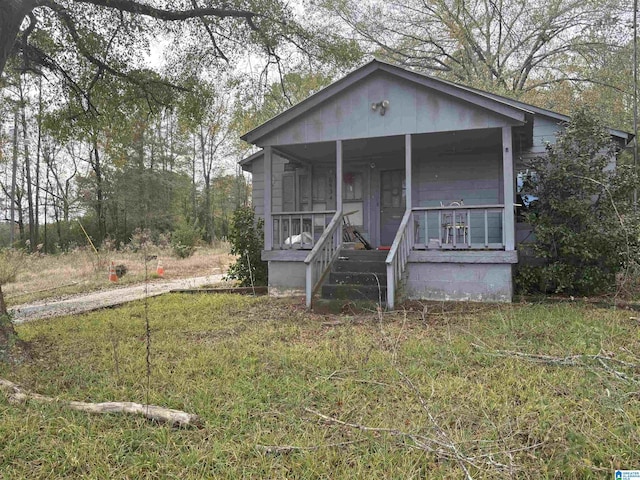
561	117
250	158
513	109
476	97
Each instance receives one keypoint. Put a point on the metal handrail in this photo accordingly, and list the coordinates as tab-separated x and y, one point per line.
320	258
398	257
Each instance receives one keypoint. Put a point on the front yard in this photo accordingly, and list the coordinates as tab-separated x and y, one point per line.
441	391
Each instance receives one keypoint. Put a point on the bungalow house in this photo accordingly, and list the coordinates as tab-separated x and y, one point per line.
396	184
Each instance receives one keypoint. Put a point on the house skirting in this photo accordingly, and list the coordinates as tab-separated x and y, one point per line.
287	272
481	276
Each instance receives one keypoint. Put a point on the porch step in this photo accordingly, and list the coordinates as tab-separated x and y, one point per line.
361	261
357	278
358	275
354	292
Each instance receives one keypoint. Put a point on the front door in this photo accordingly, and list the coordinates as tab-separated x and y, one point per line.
392	204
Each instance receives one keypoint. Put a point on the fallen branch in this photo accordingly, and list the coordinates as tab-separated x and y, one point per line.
441	449
439	430
570	360
175	418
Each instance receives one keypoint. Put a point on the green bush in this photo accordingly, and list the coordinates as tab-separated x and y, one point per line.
184	240
583	217
246	236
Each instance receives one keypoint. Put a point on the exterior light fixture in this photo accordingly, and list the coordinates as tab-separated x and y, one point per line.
382	105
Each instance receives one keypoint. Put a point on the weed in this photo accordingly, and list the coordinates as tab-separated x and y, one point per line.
256	370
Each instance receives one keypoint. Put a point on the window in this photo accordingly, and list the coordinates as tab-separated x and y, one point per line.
289	192
352	186
319	187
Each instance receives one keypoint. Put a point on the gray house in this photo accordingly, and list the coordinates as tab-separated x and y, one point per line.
396	184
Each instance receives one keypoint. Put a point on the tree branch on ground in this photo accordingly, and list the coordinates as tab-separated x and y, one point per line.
579	360
442	450
176	418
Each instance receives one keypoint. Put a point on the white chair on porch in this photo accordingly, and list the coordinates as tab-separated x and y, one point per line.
455	224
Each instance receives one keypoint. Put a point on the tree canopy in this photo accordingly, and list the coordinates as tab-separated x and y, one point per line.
513	47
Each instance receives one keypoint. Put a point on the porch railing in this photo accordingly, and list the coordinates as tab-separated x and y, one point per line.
398	257
319	260
298	230
458	227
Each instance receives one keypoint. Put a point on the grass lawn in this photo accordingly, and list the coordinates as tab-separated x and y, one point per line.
426	393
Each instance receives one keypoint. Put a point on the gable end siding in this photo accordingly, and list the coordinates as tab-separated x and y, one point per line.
412	109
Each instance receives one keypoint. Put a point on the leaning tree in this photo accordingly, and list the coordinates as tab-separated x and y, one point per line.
47	33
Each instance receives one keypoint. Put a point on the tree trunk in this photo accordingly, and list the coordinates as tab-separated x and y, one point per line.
194	189
14	176
12	13
100	213
3	305
7	332
27	169
36	218
206	175
19	198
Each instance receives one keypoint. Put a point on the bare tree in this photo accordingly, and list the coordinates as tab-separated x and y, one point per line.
509	46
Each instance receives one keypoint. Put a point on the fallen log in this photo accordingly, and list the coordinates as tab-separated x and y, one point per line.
176	418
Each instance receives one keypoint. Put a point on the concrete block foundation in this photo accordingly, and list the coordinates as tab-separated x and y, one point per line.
464	276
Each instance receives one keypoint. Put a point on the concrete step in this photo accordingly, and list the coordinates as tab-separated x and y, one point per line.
357	278
354	292
359	266
366	255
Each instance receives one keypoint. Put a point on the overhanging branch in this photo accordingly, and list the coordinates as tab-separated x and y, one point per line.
174	15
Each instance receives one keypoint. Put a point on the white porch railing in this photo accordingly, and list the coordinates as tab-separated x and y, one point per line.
298	230
319	260
398	257
458	227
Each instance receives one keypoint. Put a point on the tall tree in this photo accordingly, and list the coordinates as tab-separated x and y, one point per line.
506	46
205	110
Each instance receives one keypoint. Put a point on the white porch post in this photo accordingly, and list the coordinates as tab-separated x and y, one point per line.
509	190
268	222
407	169
338	175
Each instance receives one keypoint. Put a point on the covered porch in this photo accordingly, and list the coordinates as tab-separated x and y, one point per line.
424	198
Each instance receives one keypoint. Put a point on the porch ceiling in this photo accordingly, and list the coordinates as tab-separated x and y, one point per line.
466	141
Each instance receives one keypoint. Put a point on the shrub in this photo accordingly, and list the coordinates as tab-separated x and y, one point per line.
246	236
582	216
184	240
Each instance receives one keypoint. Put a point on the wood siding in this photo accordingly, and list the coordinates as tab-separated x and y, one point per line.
544	132
412	109
474	179
257	186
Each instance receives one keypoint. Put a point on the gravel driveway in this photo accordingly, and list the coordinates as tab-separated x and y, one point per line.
106	298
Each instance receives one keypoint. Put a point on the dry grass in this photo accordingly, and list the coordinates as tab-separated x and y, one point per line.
47	276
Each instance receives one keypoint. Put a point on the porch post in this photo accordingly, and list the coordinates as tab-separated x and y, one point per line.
339	175
268	222
509	189
407	169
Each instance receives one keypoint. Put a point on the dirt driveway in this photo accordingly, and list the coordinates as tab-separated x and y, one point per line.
106	298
